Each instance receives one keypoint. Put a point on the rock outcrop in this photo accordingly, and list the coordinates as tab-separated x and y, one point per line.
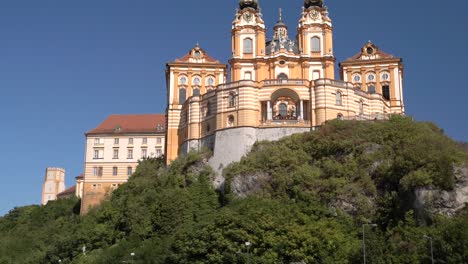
448	203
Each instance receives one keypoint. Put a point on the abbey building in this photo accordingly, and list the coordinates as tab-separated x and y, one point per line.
274	85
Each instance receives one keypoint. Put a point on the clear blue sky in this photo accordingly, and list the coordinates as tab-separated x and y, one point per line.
67	65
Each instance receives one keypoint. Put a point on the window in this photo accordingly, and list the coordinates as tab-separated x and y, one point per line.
130	141
371	89
114	171
339	98
315	44
116	154
282	76
340	117
371	77
210	81
248	43
183	80
357	78
98	153
130	154
144	153
144	141
231	121
283	109
208	108
386	92
232	100
158	140
197	54
129	171
116	141
97	141
196	81
248	76
196	91
97	171
385	76
158	153
182	95
361	107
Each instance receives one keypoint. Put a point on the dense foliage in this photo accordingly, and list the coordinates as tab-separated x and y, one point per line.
313	193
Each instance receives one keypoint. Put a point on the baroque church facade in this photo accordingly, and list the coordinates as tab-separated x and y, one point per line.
278	86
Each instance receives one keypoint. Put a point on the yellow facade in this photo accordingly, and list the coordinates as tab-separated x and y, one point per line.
278	83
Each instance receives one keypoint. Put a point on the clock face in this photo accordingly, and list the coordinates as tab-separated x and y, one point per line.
314	15
248	17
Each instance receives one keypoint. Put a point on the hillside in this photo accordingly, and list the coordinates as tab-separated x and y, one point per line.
303	199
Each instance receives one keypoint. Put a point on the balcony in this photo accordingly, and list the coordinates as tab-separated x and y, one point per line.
286	123
281	82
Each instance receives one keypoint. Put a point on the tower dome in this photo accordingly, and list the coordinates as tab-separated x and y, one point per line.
309	3
248	3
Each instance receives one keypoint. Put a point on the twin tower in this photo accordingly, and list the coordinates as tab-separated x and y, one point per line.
274	86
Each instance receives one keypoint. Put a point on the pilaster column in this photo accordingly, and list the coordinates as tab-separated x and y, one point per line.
269	111
301	106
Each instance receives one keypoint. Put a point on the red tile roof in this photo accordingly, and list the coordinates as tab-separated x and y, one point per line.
68	192
122	124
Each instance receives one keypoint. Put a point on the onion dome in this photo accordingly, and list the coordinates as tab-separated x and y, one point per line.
310	3
248	4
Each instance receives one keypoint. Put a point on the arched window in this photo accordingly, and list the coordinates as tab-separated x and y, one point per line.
282	76
231	120
183	80
232	100
196	91
248	45
361	107
339	98
182	95
315	44
283	110
371	89
340	116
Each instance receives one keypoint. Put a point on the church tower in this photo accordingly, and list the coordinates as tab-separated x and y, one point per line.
248	41
54	183
315	40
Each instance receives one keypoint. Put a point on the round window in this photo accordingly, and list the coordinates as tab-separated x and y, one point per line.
196	81
385	76
370	50
371	77
183	80
357	78
282	62
210	81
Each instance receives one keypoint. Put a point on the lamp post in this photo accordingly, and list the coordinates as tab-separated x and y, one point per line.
248	244
132	255
364	239
432	250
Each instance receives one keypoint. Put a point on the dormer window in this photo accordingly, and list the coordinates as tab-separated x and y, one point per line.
370	51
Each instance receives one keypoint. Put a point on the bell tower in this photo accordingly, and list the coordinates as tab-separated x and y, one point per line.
315	39
248	40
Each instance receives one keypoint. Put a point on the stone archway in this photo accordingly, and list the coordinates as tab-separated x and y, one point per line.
284	104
